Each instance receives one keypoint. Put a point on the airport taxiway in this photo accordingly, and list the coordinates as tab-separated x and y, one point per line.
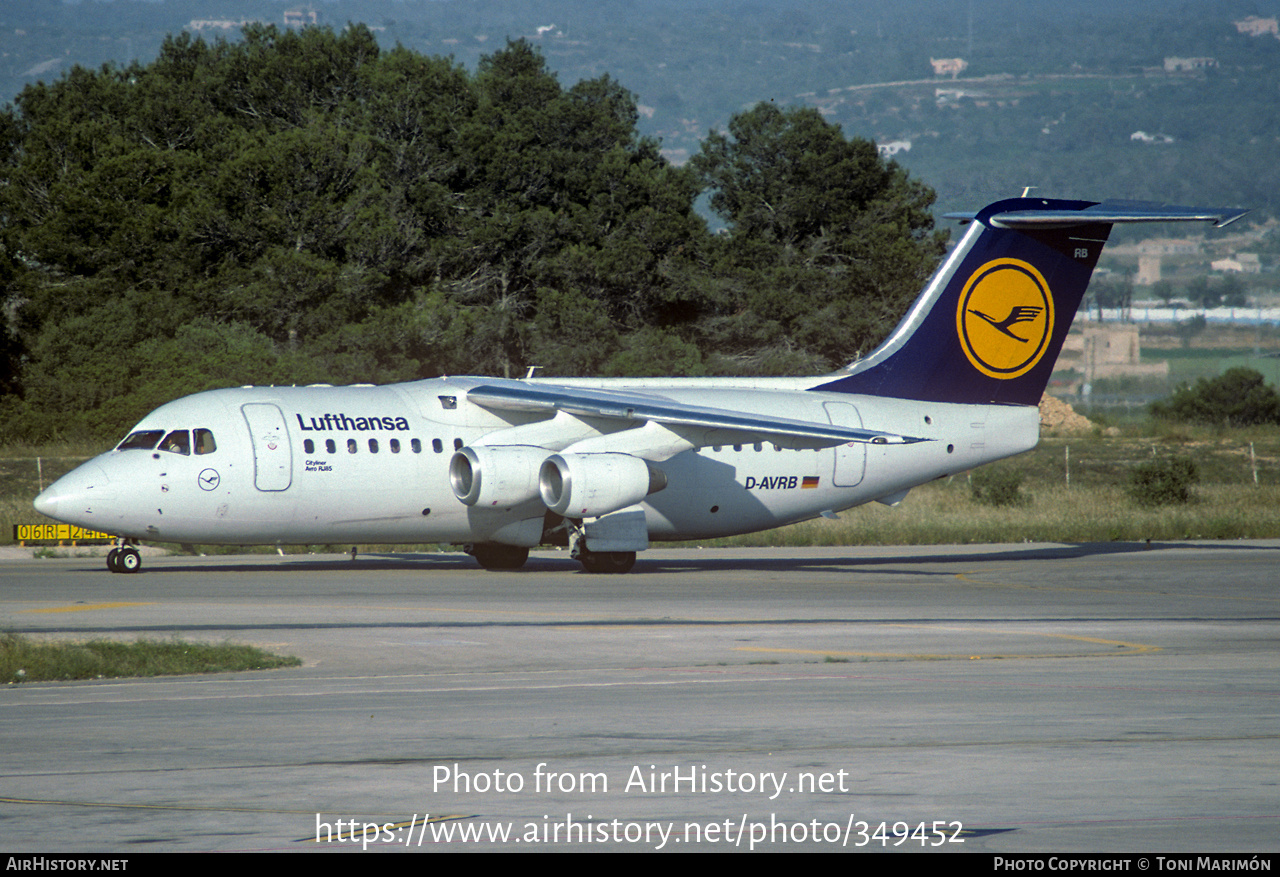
1069	698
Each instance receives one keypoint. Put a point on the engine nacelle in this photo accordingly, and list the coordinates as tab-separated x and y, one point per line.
502	475
590	485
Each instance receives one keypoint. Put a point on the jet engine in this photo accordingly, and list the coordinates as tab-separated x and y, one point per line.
499	475
590	485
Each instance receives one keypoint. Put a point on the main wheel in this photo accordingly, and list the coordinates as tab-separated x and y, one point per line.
607	562
113	560
494	555
129	560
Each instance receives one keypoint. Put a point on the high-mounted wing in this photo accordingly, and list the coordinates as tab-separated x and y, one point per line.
681	426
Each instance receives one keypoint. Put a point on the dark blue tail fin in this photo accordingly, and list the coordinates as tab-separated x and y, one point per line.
990	325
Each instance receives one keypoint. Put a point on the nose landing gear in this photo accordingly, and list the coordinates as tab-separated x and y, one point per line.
124	558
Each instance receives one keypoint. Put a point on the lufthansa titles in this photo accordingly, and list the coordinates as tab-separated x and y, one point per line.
330	422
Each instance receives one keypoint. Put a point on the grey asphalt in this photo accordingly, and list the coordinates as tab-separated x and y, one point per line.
1009	698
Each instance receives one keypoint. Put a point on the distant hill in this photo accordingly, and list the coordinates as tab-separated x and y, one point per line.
1077	98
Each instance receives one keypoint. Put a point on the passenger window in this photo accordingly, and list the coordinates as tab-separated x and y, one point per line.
204	441
395	446
373	446
143	440
177	442
457	444
437	446
330	447
351	446
415	445
308	446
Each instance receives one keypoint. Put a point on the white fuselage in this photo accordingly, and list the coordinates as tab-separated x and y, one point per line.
370	464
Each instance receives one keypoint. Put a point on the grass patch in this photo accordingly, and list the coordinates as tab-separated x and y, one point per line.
23	473
945	514
997	487
1095	508
22	660
1165	481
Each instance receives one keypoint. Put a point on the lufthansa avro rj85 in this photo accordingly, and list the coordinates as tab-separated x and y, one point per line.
607	466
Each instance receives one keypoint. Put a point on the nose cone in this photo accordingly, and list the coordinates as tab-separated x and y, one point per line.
47	502
73	497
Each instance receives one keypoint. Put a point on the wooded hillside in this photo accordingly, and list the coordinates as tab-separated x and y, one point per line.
301	206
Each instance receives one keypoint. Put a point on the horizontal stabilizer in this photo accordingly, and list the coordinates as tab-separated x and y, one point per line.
1109	212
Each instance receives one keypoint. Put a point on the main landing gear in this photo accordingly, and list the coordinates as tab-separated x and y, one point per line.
124	558
494	555
606	562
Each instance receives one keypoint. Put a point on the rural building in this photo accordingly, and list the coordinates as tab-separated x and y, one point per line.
1256	27
952	67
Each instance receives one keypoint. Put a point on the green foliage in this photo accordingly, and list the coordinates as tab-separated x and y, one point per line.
1165	481
298	206
22	660
1238	397
1057	109
1190	328
1109	294
1226	292
654	352
829	242
997	487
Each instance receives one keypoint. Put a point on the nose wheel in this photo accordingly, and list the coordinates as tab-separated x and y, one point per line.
124	559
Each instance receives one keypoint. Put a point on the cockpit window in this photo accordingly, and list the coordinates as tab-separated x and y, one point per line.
142	440
204	441
177	442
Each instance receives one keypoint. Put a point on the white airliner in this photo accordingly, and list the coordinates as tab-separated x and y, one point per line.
606	466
